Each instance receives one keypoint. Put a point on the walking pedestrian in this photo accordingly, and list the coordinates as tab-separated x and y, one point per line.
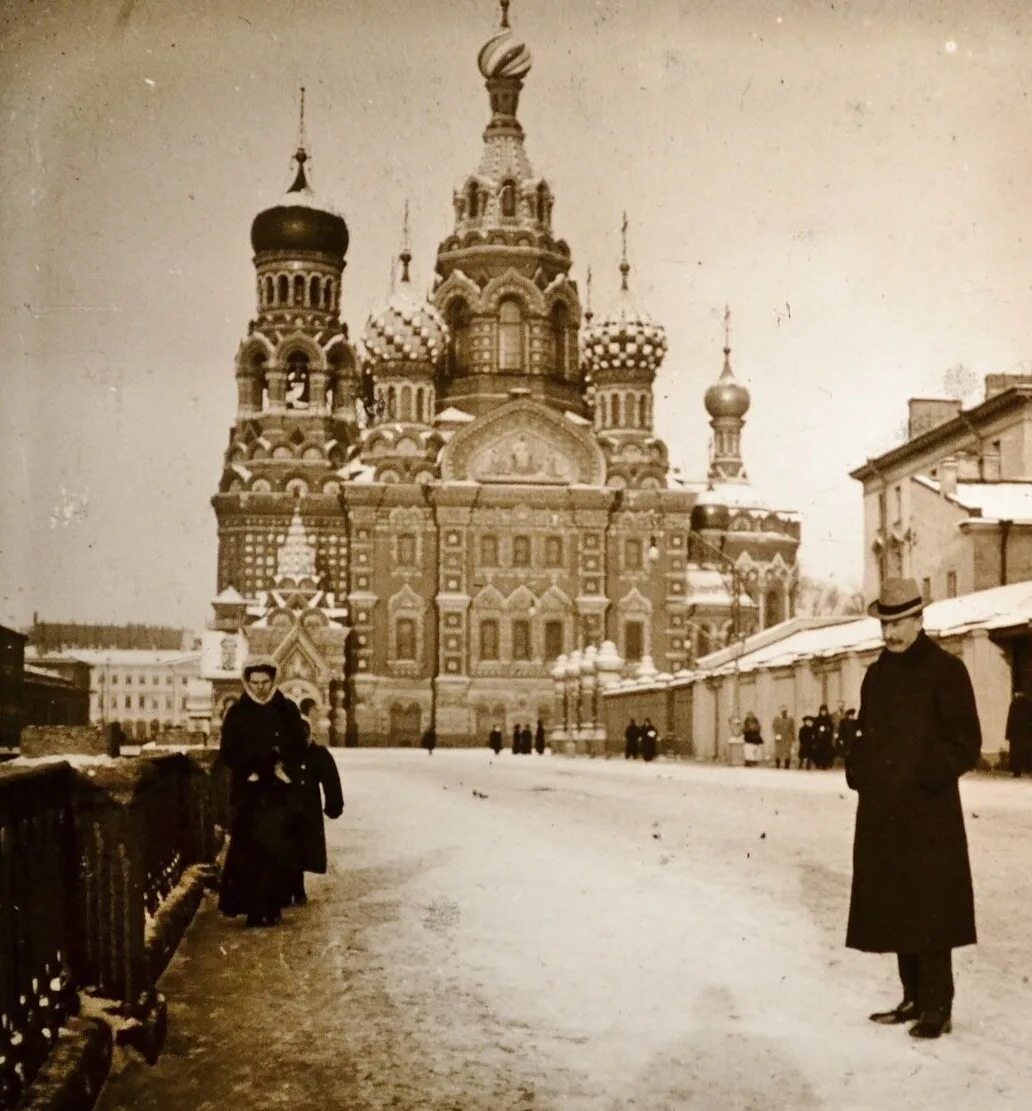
753	740
783	728
1019	734
807	739
539	738
429	740
918	733
649	740
526	740
263	742
824	738
516	739
495	740
847	733
632	740
320	794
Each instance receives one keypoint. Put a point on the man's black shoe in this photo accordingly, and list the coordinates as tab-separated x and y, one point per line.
905	1012
931	1025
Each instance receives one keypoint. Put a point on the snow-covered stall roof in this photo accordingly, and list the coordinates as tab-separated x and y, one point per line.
992	501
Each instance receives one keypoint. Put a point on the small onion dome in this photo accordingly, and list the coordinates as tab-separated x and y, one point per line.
726	397
298	223
405	330
504	55
626	338
707	515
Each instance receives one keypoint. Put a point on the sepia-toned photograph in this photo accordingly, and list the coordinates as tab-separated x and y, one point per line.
515	555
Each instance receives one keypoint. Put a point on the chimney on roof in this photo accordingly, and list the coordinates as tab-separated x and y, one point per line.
947	472
999	383
926	413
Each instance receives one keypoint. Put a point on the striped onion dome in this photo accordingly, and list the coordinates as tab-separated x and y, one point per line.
504	55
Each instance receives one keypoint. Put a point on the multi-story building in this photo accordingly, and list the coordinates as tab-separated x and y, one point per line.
417	524
144	691
952	506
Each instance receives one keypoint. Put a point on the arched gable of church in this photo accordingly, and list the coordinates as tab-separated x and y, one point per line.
523	442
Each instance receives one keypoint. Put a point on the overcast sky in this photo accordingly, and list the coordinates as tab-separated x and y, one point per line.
853	178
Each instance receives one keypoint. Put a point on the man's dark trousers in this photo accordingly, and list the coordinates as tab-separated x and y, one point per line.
928	980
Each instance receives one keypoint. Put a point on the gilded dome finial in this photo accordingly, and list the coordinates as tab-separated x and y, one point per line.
300	183
588	311
625	266
406	253
505	13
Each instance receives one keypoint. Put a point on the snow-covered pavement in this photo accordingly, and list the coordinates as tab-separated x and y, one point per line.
543	932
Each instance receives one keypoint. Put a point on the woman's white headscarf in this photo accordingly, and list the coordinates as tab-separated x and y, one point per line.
259	663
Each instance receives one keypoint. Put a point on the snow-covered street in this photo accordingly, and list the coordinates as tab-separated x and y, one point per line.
543	932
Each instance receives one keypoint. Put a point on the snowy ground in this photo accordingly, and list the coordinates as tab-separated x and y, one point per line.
548	933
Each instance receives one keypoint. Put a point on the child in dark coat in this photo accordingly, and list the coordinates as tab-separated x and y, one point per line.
320	794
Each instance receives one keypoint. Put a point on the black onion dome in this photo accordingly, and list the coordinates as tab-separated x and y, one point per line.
298	223
726	398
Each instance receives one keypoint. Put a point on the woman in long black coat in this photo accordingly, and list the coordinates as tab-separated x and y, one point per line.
263	742
918	732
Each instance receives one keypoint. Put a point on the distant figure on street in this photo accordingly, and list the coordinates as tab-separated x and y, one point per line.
807	742
649	740
429	740
918	733
1019	734
539	738
526	740
516	739
320	794
263	743
824	738
632	740
847	733
783	728
495	740
753	740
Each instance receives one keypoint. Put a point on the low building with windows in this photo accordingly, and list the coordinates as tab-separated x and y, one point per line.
417	524
952	506
144	691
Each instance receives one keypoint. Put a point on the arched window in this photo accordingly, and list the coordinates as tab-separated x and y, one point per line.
313	292
629	410
471	200
510	336
297	396
773	612
560	338
614	411
299	289
458	339
419	406
327	294
406	403
392	404
284	289
270	290
542	203
508	198
642	412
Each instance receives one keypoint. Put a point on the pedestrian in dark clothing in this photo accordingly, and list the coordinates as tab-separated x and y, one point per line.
1019	733
649	740
495	740
918	733
263	742
526	740
429	740
539	738
320	794
516	739
807	742
752	739
824	739
632	740
783	728
847	732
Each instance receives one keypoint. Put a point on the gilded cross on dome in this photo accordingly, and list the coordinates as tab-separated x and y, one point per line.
505	13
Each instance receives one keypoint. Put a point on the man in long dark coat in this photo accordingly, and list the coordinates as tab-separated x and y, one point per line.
263	743
649	740
495	740
1019	733
526	740
918	733
632	740
539	738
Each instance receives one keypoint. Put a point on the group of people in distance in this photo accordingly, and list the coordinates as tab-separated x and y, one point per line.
523	741
640	740
821	739
281	785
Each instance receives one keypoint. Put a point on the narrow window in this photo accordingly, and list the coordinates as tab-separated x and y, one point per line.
406	550
510	336
406	635
284	289
554	551
471	200
560	322
270	291
299	289
553	639
489	551
406	403
634	639
508	200
458	339
313	292
521	551
521	639
951	584
489	639
642	421
327	294
632	555
614	411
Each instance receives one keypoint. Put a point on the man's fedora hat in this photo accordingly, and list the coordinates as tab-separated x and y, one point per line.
898	598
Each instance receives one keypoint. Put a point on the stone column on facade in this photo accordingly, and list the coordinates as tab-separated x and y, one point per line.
277	380
318	381
588	691
852	677
573	663
608	666
560	729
